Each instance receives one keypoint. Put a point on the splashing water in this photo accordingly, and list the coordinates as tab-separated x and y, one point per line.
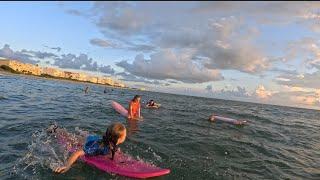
44	151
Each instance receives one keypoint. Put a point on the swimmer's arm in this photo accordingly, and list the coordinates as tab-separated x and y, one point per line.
71	160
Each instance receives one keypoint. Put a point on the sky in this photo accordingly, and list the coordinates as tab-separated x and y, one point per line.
264	52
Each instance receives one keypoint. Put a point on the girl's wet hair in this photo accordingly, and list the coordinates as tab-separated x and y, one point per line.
112	135
136	97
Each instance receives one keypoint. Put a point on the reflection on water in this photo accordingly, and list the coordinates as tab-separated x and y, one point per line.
132	127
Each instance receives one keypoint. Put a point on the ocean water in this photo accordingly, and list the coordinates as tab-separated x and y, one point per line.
278	143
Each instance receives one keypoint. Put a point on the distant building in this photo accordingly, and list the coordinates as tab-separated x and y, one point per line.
119	84
35	70
52	72
22	67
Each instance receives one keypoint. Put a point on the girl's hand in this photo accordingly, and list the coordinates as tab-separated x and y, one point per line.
62	169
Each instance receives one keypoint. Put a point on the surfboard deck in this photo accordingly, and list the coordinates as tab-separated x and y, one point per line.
122	164
119	108
230	120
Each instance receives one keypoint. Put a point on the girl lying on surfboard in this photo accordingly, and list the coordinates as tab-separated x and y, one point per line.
96	145
134	108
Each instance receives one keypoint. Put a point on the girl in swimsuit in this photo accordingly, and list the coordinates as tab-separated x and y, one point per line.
134	108
96	145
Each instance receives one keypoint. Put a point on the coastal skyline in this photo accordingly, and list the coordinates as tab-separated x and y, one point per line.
264	52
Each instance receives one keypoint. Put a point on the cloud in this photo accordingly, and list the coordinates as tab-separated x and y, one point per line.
310	80
119	17
141	48
39	54
82	62
129	46
262	93
263	12
101	43
167	64
209	88
26	56
106	69
239	92
297	96
74	12
71	61
58	49
129	77
221	44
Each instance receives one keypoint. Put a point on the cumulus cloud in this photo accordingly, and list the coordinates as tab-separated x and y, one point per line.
226	43
310	80
106	69
265	12
82	62
299	97
170	65
119	17
26	56
262	93
221	44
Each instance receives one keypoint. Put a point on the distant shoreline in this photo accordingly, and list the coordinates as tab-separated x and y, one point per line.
6	72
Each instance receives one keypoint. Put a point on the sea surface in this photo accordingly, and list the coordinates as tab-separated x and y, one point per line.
278	143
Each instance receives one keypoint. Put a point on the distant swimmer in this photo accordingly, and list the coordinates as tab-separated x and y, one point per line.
134	108
152	104
86	90
214	118
105	90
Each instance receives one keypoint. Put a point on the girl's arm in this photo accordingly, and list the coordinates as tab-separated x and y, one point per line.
71	160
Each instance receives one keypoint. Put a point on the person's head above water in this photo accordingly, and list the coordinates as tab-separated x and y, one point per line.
136	98
211	118
115	135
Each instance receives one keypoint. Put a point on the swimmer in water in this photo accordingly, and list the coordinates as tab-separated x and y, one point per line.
86	90
211	118
152	104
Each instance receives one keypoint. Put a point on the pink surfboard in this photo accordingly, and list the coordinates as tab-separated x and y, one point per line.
119	108
122	164
230	120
